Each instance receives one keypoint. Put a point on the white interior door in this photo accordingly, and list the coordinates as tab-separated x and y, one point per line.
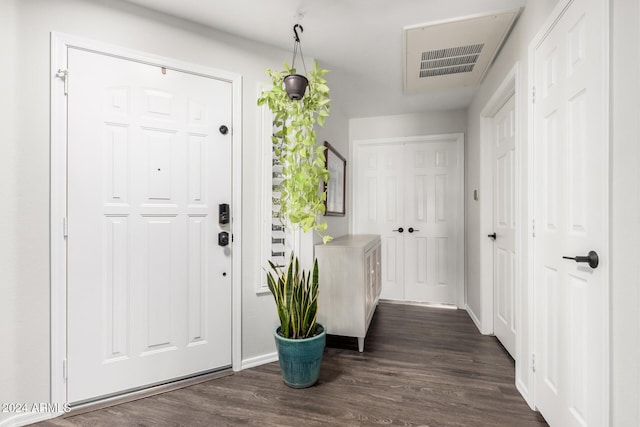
410	194
149	288
504	226
571	217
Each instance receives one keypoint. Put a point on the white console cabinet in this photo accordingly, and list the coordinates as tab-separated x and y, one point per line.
350	284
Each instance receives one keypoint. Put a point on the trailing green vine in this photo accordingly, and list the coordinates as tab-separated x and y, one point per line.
295	146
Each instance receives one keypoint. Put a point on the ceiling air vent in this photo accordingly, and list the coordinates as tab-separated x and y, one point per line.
449	61
454	53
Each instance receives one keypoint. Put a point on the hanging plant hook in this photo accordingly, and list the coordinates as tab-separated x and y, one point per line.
295	83
297	47
295	31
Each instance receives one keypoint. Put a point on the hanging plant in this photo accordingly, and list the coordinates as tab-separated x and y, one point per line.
295	146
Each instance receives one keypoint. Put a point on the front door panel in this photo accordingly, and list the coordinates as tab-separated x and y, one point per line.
149	289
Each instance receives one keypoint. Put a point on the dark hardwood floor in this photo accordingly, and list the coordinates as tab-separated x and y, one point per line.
421	367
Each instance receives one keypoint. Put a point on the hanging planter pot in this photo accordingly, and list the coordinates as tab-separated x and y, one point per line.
295	85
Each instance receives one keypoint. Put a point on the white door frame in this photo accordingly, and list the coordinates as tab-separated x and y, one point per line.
60	42
448	137
529	242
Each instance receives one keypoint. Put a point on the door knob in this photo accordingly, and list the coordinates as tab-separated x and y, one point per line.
493	236
223	238
399	229
591	258
411	230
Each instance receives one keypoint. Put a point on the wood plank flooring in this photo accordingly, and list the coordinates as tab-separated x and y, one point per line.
421	367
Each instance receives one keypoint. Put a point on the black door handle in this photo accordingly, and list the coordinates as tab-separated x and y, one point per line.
591	258
411	230
399	230
493	236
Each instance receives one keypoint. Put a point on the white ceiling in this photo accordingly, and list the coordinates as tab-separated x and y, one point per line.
361	39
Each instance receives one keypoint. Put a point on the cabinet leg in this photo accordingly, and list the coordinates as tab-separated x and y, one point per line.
360	344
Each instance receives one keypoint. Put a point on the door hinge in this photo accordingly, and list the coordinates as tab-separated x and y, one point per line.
533	362
64	75
533	94
64	370
533	227
65	232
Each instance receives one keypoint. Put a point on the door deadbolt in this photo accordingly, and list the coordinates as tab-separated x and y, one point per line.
224	130
223	213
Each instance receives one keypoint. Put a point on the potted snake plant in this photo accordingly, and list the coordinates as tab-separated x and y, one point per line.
300	340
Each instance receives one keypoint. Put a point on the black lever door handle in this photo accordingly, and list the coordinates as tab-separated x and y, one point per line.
591	258
493	236
411	230
399	229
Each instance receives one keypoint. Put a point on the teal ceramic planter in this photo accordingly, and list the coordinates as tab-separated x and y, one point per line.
300	359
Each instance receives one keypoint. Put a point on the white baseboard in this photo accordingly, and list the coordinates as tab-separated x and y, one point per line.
474	318
27	418
419	303
524	391
259	360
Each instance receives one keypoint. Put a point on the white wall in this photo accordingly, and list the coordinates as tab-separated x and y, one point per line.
625	214
336	132
479	214
24	164
418	124
10	295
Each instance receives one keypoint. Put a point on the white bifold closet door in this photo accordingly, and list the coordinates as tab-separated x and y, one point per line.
410	193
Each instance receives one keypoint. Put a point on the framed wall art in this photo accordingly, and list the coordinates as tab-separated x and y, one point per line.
336	187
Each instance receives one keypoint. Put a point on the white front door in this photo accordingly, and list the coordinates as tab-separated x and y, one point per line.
571	216
149	288
504	226
410	194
